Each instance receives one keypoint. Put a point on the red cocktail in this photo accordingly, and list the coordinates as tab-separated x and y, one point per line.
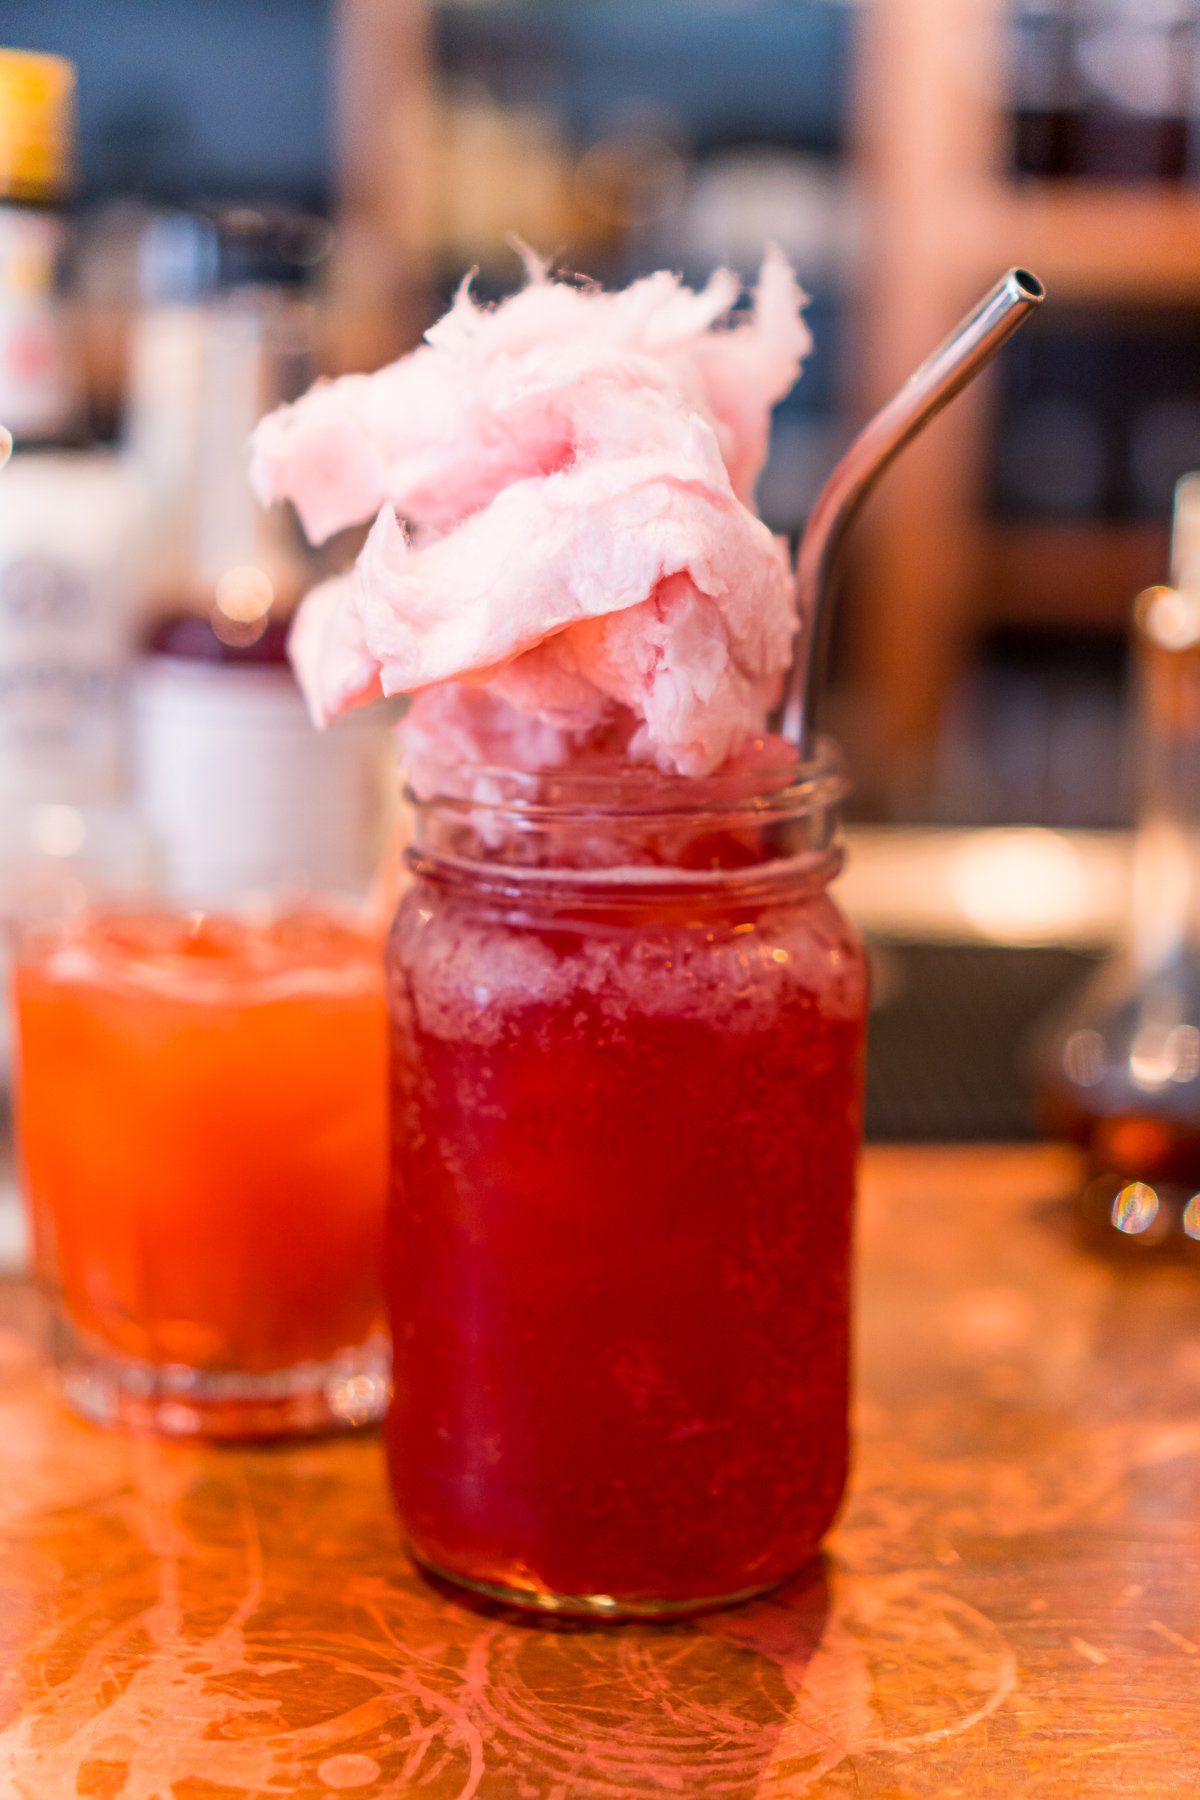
626	1115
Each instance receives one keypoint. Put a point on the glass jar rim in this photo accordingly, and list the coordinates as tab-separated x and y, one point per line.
637	828
761	791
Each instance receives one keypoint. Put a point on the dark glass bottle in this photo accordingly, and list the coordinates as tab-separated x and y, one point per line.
1122	1070
1042	87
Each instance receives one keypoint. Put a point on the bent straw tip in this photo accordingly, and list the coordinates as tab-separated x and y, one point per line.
1025	285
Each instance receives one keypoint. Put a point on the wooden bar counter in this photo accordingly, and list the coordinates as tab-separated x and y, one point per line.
1009	1607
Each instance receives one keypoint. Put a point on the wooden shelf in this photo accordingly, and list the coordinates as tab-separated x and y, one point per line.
1086	241
943	219
1069	576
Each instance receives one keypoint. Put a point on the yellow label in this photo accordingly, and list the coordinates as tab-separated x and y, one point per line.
37	112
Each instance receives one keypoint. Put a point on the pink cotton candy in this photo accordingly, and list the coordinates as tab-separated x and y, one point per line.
565	483
464	723
329	653
489	397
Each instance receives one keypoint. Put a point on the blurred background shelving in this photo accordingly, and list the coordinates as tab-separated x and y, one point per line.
1045	504
901	154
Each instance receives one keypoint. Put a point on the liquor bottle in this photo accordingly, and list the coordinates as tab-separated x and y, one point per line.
68	512
244	795
69	520
1121	1072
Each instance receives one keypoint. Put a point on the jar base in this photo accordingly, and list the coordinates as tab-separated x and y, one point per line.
613	1607
346	1393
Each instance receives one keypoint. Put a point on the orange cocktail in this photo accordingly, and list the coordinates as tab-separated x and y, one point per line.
202	1121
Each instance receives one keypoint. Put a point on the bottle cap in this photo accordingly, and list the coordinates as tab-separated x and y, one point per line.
37	125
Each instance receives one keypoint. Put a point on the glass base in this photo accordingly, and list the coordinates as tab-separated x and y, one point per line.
591	1606
348	1392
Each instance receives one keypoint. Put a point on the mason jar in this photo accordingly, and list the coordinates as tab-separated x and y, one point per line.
627	1024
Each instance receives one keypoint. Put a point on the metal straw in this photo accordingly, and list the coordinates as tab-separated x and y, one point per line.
953	364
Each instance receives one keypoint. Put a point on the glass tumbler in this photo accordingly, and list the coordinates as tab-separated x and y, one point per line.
201	1122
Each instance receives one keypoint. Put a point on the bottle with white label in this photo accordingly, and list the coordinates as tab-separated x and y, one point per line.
249	803
67	512
69	517
246	798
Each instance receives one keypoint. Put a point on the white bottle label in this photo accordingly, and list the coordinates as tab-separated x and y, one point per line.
65	526
244	795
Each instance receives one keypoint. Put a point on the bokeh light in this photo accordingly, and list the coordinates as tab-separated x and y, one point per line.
1135	1208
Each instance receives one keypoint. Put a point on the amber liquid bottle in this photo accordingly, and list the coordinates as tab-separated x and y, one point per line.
1122	1072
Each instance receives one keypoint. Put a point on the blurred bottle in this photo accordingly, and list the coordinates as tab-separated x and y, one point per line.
243	794
1134	69
38	389
1121	1072
494	171
68	514
1043	86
